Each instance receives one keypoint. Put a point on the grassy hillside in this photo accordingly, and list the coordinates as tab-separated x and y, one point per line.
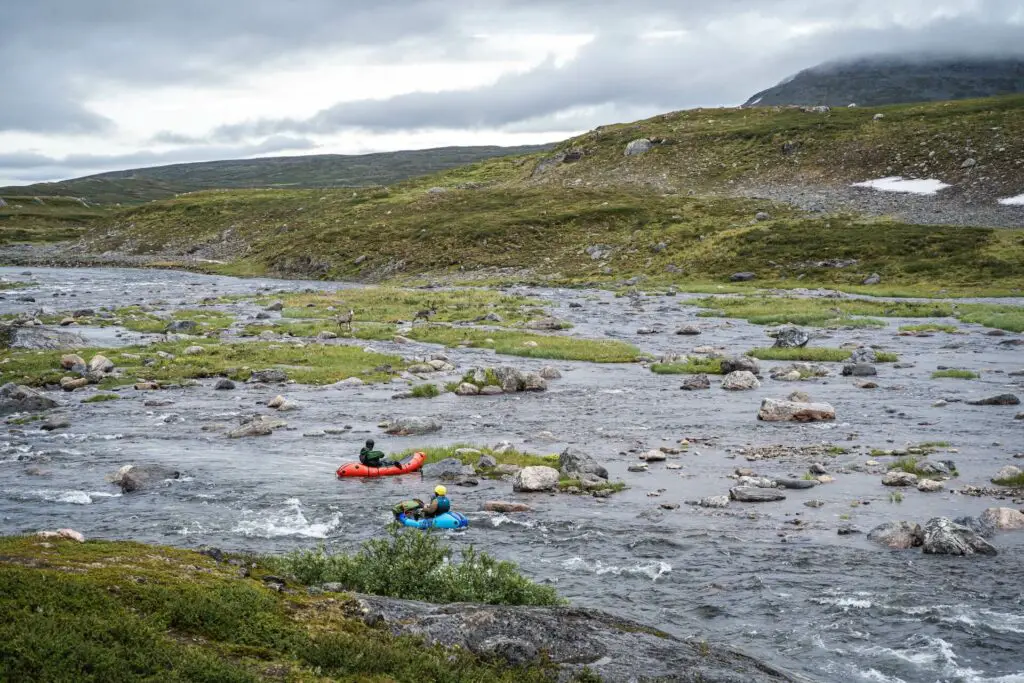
321	170
44	219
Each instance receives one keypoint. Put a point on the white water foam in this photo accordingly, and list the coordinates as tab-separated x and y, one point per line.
500	520
1013	201
72	497
923	186
653	570
288	522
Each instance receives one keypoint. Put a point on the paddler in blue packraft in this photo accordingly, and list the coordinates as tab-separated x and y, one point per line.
415	509
372	458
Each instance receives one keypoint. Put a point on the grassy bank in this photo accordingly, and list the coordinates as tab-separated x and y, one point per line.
118	611
815	354
309	365
45	219
470	455
955	374
692	366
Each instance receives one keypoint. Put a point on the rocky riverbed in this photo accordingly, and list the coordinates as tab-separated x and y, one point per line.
794	581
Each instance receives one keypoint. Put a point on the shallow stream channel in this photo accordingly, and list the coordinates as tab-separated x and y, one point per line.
775	580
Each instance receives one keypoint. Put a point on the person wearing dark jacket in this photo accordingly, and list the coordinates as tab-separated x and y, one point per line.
372	458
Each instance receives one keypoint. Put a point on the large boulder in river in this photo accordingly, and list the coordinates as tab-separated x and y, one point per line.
863	354
740	363
859	370
259	425
565	639
978	525
741	380
39	338
1000	400
1005	519
791	338
753	494
411	426
15	398
774	410
897	535
943	537
575	464
534	479
136	477
447	469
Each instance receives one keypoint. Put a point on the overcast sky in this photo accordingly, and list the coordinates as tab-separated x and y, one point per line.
94	85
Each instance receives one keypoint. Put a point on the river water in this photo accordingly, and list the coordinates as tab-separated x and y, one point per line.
833	608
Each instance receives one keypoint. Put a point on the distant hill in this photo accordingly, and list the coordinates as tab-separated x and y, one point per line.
315	171
896	80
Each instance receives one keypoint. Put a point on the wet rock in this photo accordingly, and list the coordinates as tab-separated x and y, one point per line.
714	502
796	484
485	461
818	468
276	402
158	403
72	383
866	385
268	376
549	372
740	364
505	506
54	423
288	406
258	426
799	397
535	479
741	380
448	469
982	527
897	478
1005	519
798	371
848	530
897	535
15	398
467	389
696	383
742	277
146	386
491	390
100	363
647	330
1000	400
1007	474
137	477
859	370
275	306
411	426
467	481
642	467
757	482
929	485
747	494
862	355
575	464
653	456
182	327
943	537
791	338
689	330
669	506
773	410
534	382
224	384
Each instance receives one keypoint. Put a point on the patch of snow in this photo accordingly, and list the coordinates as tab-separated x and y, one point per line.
900	184
1013	201
756	101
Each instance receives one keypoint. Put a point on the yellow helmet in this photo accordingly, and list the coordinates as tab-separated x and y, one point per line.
440	490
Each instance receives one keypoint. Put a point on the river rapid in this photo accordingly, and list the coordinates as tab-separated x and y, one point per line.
774	580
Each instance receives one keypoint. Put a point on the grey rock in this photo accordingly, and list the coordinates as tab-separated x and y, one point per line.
224	384
505	506
275	306
258	426
133	478
897	535
863	354
762	216
534	382
549	372
16	398
696	383
486	461
410	426
467	389
637	147
575	464
873	279
797	483
268	376
818	468
798	371
1000	400
54	423
535	479
898	478
714	502
747	494
449	469
689	330
859	370
1005	519
773	410
848	530
740	363
182	327
742	277
39	338
791	338
943	537
741	380
1008	473
100	363
980	526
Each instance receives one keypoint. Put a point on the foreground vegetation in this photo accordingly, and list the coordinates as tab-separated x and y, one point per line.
168	363
815	354
955	374
27	218
119	611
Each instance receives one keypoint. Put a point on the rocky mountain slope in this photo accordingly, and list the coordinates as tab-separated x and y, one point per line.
894	80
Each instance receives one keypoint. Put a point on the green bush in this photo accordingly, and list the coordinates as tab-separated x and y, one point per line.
425	391
417	566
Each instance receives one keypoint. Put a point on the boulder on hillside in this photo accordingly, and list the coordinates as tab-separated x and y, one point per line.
897	535
575	464
410	426
535	479
773	410
15	398
637	147
943	537
791	338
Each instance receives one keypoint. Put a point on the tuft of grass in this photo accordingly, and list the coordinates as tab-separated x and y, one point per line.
692	366
1013	482
911	464
416	566
522	344
100	398
930	327
955	374
509	457
310	365
425	391
895	497
814	354
117	611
